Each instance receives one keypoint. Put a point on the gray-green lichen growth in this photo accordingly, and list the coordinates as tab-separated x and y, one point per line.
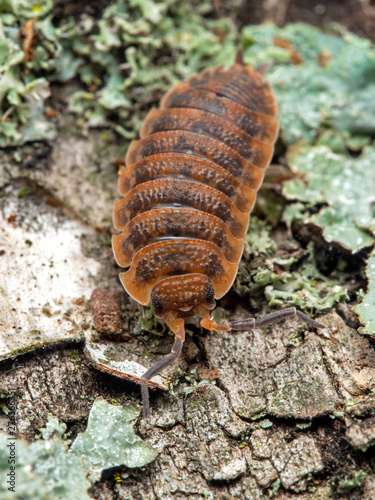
109	440
122	58
333	77
345	185
44	469
285	280
345	188
320	80
347	485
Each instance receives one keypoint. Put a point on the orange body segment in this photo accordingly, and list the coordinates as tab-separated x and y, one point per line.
175	257
191	143
246	88
256	124
184	166
207	124
175	222
179	192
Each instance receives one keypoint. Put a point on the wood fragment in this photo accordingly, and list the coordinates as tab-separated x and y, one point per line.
107	312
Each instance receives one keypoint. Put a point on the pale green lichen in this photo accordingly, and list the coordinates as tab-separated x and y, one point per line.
347	485
345	185
284	281
109	440
44	469
257	239
126	59
324	86
300	291
331	85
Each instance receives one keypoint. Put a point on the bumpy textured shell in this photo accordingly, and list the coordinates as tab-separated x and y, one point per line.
190	182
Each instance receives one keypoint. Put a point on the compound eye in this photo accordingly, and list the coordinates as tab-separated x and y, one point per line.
210	295
210	301
158	307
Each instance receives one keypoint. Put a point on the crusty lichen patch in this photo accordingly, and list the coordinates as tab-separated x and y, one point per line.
211	445
273	455
44	468
361	435
350	358
272	372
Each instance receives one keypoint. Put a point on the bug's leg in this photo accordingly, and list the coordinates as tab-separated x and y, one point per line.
178	328
247	324
210	324
274	317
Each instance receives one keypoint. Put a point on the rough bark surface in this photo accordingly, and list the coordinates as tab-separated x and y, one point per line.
282	412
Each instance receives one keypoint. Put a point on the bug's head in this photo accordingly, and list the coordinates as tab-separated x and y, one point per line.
183	295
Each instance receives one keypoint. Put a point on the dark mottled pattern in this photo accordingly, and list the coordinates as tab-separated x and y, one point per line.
258	125
165	165
181	292
250	92
201	122
183	192
180	256
177	141
155	225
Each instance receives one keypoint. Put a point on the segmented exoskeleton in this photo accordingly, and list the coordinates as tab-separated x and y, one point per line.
189	186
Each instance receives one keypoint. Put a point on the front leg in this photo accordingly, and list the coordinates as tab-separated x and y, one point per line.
177	325
249	323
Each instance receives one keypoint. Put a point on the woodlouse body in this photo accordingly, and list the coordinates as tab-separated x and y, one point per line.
189	186
190	183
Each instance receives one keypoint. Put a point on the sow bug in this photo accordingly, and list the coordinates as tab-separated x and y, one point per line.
188	189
